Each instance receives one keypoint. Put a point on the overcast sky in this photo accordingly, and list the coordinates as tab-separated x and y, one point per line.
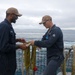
62	12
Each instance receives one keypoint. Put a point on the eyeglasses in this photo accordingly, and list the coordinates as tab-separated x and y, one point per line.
15	14
45	22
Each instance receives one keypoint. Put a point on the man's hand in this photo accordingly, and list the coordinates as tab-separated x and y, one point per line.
21	46
32	42
21	40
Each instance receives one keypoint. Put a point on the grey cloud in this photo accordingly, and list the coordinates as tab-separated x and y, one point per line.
62	11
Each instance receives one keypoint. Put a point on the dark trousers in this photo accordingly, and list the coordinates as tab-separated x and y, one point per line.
7	67
53	65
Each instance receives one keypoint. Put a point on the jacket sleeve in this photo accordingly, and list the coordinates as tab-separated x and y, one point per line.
51	39
5	45
43	38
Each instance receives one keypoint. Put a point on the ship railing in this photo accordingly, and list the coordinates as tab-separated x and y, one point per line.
32	61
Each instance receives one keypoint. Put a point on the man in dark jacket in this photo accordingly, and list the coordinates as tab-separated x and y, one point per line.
8	44
53	41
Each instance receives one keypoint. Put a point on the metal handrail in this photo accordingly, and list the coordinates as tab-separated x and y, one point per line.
63	66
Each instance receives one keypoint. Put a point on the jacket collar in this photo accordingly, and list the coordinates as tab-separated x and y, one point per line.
8	22
50	29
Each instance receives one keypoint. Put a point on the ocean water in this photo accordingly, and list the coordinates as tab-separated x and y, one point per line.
36	34
68	35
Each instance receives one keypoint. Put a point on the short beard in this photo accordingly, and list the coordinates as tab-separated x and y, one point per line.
13	20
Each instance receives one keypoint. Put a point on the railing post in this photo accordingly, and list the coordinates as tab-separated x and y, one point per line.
73	63
63	66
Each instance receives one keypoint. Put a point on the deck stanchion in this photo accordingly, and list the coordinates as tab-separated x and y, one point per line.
73	63
22	64
63	66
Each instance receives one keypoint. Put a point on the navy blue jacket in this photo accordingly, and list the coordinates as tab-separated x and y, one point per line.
53	41
7	49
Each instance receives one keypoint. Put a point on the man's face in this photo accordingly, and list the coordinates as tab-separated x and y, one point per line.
14	18
46	24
